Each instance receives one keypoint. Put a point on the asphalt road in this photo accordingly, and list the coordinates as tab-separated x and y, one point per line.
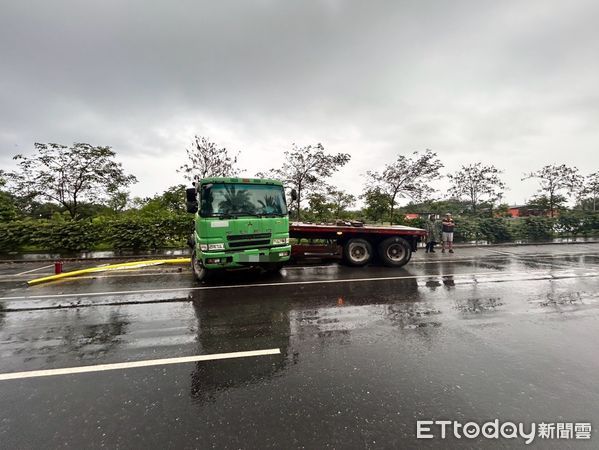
354	357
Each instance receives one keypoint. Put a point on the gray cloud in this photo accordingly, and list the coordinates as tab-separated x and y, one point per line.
510	83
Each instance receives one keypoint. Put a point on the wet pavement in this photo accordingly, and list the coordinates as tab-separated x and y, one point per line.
504	333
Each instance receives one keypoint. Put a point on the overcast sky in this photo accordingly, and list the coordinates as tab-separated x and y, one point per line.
510	83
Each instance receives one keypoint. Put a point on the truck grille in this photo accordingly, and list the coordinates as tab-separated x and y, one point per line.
247	237
248	240
253	243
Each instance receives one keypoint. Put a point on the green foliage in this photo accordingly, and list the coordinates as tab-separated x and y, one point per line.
466	229
305	169
554	182
68	235
86	173
377	205
569	223
590	223
137	232
536	228
51	235
406	177
416	223
14	235
329	206
542	203
8	209
128	231
475	183
439	207
589	194
494	229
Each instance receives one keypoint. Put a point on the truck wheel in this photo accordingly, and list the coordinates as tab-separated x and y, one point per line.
197	268
357	252
394	252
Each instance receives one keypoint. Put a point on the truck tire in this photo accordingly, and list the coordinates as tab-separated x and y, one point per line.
197	268
357	252
394	252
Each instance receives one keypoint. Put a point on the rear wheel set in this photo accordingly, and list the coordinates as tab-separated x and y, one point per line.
392	252
357	252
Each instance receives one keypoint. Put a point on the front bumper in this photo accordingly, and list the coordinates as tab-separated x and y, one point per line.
244	258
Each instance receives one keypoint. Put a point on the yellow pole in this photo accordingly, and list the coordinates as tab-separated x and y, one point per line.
127	265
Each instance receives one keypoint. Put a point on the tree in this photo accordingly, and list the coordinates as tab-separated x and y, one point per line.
305	170
324	207
172	200
554	181
542	203
408	176
476	182
8	209
340	201
69	175
205	160
319	208
118	200
590	190
437	206
377	203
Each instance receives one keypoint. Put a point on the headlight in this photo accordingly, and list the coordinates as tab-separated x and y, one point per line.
280	241
220	246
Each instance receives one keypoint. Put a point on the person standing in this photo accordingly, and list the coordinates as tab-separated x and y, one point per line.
433	233
447	226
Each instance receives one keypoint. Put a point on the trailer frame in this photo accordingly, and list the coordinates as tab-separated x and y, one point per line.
355	245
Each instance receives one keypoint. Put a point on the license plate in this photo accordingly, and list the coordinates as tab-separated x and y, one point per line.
252	258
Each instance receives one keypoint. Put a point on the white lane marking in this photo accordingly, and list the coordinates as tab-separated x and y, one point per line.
462	282
133	364
240	286
33	270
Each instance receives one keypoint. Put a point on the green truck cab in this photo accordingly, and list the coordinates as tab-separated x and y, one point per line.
239	222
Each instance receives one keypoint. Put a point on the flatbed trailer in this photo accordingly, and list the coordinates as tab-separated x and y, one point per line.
355	245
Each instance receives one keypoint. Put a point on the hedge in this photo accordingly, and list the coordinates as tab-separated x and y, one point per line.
128	231
137	231
502	229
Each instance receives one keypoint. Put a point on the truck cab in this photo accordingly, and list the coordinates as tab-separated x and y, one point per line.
238	222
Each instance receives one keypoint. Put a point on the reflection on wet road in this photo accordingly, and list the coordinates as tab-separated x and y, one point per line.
484	336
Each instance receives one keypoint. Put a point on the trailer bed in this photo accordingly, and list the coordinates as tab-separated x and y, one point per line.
348	242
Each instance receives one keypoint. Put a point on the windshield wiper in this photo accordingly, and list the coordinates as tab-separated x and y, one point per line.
221	215
238	214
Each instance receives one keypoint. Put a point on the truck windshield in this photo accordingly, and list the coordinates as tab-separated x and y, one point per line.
243	199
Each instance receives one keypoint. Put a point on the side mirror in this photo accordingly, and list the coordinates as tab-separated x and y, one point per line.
191	194
293	194
192	207
192	200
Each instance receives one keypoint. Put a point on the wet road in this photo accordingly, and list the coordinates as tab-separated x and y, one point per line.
506	333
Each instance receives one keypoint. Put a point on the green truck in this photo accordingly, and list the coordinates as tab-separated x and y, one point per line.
239	222
244	222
